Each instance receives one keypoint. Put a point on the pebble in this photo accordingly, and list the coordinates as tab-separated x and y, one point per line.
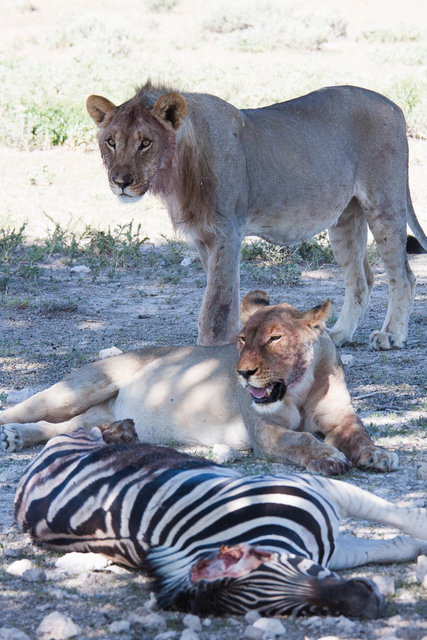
386	584
207	622
421	571
189	634
119	626
166	635
252	633
108	353
344	625
80	268
185	262
347	359
15	396
271	626
76	562
57	626
421	471
192	622
251	616
34	575
12	633
19	567
222	453
149	621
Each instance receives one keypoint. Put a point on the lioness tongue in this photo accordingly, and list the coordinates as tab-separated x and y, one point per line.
258	392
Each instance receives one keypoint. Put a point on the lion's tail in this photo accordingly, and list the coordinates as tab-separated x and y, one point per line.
414	224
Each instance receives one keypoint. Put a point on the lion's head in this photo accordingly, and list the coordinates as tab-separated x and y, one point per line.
137	140
276	346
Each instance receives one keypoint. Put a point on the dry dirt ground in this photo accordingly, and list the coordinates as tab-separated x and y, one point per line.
51	326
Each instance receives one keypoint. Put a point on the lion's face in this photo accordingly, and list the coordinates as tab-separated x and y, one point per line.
137	144
276	347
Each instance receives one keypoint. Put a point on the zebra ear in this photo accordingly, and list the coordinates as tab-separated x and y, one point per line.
252	302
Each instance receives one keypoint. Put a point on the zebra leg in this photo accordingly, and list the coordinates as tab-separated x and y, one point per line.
353	552
353	502
15	436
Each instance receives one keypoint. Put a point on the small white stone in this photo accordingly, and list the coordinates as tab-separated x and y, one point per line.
19	567
421	471
329	638
119	626
192	622
345	625
108	353
421	571
252	633
251	616
34	575
272	627
12	633
206	622
189	634
152	621
347	359
386	584
166	635
185	262
76	562
57	626
80	268
222	453
15	396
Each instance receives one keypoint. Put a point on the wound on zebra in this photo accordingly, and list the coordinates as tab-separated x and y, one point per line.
215	541
289	387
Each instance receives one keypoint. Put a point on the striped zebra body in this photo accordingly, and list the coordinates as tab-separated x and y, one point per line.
215	541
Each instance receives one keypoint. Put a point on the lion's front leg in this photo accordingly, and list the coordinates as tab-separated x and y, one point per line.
219	315
351	437
301	448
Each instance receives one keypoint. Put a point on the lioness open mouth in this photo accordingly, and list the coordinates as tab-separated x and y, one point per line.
272	393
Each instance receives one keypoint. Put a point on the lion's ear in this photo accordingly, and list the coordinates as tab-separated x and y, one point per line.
317	317
172	108
253	301
99	108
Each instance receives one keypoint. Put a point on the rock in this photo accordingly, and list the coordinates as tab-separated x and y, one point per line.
252	633
189	634
57	626
34	575
272	626
12	633
421	471
119	626
345	626
421	571
222	453
251	616
347	359
185	262
386	584
166	635
192	622
15	396
80	269
19	567
150	621
108	353
76	562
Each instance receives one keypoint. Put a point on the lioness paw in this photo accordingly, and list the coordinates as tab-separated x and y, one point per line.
384	341
11	437
330	465
377	459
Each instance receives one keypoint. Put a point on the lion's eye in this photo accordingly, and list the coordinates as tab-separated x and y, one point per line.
145	144
242	339
111	143
274	338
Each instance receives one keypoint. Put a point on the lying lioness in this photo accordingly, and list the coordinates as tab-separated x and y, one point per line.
289	385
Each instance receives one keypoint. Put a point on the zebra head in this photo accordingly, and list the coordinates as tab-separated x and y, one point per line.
243	577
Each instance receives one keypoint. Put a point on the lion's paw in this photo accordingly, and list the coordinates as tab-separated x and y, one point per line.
384	341
377	459
11	437
333	464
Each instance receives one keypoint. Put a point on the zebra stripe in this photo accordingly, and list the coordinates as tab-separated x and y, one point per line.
266	540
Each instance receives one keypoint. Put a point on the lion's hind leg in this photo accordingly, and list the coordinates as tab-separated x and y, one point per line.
15	436
348	239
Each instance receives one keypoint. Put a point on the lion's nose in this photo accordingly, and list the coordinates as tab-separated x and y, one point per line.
123	181
247	373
